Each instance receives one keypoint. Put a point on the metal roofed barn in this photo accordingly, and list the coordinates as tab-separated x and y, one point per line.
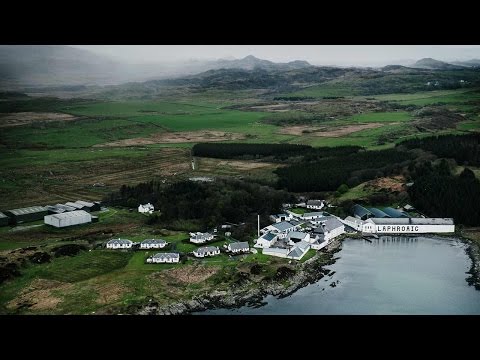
4	220
378	213
394	213
32	213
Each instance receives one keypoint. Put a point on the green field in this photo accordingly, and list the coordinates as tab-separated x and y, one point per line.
433	97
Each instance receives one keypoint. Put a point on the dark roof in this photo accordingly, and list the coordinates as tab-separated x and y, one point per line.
153	241
282	226
239	245
394	213
360	211
413	221
268	236
166	255
119	241
378	213
28	210
330	224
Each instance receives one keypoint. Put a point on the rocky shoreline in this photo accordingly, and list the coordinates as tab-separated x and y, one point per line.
307	273
473	251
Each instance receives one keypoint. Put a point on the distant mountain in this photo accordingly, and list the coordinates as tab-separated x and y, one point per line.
468	63
23	66
429	63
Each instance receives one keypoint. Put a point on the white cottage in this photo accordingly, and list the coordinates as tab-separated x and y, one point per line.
238	247
119	244
164	258
201	238
315	204
206	251
146	209
277	218
153	244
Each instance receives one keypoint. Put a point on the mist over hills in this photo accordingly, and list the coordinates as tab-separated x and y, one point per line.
24	67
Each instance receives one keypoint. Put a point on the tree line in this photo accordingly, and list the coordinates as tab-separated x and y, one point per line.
438	193
202	205
465	149
352	169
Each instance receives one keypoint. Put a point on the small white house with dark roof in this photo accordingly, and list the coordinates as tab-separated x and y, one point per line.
153	244
201	238
206	251
238	247
315	204
119	244
164	258
266	240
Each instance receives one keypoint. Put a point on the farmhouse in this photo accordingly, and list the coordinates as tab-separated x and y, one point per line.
32	213
330	228
153	244
266	240
238	247
164	258
68	218
206	251
315	204
281	217
409	225
200	238
119	244
297	236
354	223
3	219
146	209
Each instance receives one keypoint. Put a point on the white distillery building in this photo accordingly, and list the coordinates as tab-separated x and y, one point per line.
315	204
68	218
153	244
238	247
354	222
297	236
409	225
281	229
119	244
277	218
329	229
315	217
206	251
164	258
146	209
201	238
266	240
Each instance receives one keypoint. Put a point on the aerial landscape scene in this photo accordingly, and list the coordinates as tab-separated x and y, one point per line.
239	180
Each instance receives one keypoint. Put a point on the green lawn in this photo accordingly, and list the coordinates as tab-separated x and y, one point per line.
299	211
432	97
354	193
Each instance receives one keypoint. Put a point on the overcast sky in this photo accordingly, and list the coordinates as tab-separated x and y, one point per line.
315	54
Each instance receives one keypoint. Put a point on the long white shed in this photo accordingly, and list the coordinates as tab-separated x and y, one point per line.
68	219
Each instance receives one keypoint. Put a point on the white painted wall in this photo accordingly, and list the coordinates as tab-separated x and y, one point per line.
408	229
